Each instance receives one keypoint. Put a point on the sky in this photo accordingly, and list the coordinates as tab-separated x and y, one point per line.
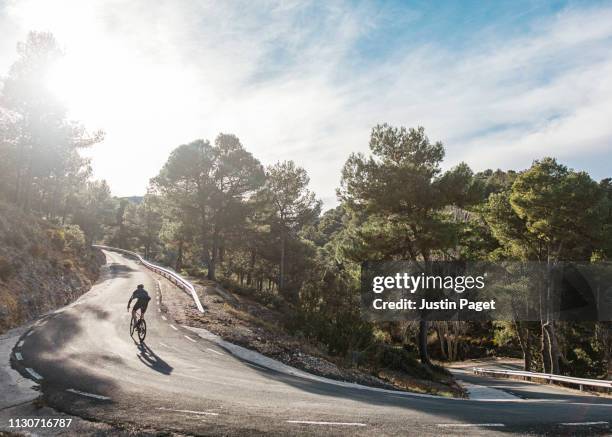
499	83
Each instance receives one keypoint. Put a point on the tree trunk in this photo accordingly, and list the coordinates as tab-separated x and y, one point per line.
422	343
553	346
179	257
249	278
212	265
281	281
545	351
525	344
441	340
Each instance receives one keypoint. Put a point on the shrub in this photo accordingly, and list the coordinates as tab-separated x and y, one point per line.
57	238
74	236
397	358
37	251
7	269
14	239
68	264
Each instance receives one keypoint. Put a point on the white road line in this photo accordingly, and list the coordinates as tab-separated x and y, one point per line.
30	333
164	345
203	413
33	373
583	423
18	356
173	327
464	425
309	422
212	350
190	339
89	395
20	343
164	318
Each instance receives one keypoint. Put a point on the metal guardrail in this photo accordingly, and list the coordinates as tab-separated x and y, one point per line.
580	382
173	277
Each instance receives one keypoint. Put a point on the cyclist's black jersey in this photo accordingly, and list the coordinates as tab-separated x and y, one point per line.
141	296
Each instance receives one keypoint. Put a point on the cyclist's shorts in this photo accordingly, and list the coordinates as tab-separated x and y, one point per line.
141	305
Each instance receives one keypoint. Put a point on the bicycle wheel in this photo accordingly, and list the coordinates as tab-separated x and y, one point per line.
142	330
132	327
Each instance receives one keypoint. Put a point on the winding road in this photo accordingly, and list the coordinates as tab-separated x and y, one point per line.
87	365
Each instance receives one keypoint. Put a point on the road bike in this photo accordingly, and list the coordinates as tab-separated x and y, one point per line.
139	325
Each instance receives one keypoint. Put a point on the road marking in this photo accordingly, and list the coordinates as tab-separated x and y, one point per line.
89	395
583	423
203	413
164	345
212	350
309	422
448	425
18	356
164	318
33	373
20	343
190	339
173	327
30	333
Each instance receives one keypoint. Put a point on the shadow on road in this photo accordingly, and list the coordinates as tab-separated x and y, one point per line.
97	312
76	371
151	359
120	270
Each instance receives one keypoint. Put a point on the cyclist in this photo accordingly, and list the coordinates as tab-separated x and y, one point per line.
142	301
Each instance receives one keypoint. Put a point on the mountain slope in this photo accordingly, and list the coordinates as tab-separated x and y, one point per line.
42	266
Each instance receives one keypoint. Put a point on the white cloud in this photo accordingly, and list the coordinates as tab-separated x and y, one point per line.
286	79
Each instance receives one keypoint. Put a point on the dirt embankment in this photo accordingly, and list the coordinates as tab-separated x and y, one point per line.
42	266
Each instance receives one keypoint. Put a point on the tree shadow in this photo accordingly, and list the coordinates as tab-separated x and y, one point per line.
151	359
120	270
40	352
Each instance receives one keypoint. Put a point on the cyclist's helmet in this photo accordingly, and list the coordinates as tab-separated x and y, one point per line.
140	286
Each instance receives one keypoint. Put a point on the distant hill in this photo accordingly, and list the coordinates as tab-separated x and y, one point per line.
133	199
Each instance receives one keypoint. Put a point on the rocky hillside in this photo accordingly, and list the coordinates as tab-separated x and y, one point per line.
42	266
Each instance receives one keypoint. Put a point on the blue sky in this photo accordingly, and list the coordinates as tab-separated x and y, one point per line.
500	83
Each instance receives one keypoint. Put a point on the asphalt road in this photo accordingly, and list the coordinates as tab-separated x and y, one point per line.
88	365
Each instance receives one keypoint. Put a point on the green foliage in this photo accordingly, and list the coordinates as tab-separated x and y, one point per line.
74	237
57	238
398	358
328	309
205	188
561	208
